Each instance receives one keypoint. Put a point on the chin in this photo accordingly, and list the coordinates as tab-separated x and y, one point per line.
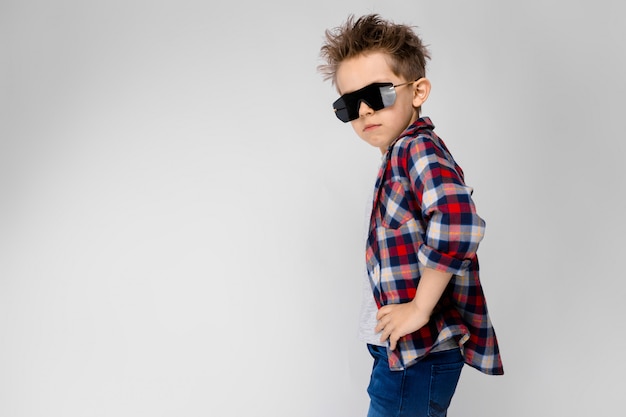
374	143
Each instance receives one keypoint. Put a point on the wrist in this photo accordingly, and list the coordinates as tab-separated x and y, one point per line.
421	310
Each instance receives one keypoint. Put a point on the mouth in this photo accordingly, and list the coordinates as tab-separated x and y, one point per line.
370	127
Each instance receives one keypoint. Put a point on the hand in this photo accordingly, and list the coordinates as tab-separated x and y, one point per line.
397	320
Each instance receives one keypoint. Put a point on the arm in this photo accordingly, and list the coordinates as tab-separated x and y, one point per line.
397	320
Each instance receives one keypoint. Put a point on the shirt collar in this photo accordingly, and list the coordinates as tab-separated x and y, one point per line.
423	123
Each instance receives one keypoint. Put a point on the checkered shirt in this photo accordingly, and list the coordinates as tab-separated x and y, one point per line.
423	216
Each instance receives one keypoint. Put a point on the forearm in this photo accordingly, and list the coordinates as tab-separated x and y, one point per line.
429	290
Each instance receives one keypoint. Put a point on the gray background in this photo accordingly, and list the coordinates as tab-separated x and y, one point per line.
181	213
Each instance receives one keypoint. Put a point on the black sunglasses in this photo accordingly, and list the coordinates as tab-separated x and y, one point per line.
377	96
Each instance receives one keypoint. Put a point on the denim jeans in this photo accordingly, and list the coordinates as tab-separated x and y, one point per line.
424	389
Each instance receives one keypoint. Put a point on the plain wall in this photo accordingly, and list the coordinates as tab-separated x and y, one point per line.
181	213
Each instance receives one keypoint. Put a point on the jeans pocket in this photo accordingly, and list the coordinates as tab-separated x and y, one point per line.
443	382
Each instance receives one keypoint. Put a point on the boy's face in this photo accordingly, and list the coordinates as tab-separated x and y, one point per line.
378	128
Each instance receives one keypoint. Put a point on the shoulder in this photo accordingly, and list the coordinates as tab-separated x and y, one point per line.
417	137
422	144
425	154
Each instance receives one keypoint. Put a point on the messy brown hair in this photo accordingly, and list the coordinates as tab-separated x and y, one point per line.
371	33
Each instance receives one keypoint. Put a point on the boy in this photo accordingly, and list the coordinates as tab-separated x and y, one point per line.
425	314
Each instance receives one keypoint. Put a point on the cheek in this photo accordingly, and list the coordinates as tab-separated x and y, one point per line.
356	127
408	112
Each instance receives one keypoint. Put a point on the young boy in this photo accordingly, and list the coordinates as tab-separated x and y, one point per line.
426	314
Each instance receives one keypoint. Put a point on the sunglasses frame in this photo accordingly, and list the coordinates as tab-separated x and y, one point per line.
376	95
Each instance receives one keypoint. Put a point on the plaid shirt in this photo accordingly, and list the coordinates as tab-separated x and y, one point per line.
423	216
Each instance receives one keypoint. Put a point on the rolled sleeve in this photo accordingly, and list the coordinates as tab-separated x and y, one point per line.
453	228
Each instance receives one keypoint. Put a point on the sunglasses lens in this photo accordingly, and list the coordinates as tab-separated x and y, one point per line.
342	112
387	95
377	96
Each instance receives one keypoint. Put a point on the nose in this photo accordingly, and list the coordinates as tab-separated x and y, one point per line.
364	109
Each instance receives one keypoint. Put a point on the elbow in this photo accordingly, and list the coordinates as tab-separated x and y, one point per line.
473	234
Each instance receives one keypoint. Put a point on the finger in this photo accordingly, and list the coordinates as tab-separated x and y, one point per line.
383	336
386	333
393	341
382	323
380	326
382	312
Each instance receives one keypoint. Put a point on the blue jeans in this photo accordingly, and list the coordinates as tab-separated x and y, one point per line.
424	389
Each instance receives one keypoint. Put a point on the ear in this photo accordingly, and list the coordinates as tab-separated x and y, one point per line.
421	90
